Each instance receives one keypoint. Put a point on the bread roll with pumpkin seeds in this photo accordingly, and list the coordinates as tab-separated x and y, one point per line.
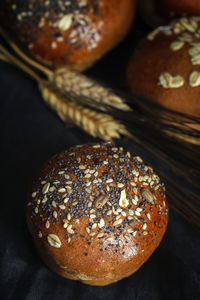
166	66
74	33
96	213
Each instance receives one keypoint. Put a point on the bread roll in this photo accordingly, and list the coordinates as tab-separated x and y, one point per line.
96	213
74	33
166	66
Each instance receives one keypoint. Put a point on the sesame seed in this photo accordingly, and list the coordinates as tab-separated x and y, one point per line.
47	224
62	190
53	203
66	200
55	214
117	222
120	244
139	209
88	230
53	45
100	235
87	175
92	216
127	238
137	213
82	167
149	216
109	180
62	206
131	212
61	172
144	226
94	225
120	185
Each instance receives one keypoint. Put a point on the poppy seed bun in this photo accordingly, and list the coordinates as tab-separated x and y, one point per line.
166	66
74	33
96	213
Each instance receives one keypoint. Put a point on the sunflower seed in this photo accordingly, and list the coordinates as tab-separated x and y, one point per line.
123	202
101	201
46	188
65	22
148	195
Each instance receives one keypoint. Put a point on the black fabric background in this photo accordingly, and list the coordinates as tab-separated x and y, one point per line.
30	133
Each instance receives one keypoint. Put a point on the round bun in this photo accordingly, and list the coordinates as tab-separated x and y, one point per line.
73	33
166	66
96	213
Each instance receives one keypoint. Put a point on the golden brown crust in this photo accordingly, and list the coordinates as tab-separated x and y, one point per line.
96	213
160	55
74	34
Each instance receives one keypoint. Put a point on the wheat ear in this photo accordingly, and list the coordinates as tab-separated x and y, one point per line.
96	124
81	86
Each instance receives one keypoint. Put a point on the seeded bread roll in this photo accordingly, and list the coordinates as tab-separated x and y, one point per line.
74	33
166	66
96	213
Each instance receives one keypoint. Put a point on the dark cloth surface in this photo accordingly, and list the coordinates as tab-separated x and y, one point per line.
30	133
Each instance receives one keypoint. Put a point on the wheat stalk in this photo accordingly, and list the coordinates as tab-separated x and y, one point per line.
99	125
69	81
57	97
